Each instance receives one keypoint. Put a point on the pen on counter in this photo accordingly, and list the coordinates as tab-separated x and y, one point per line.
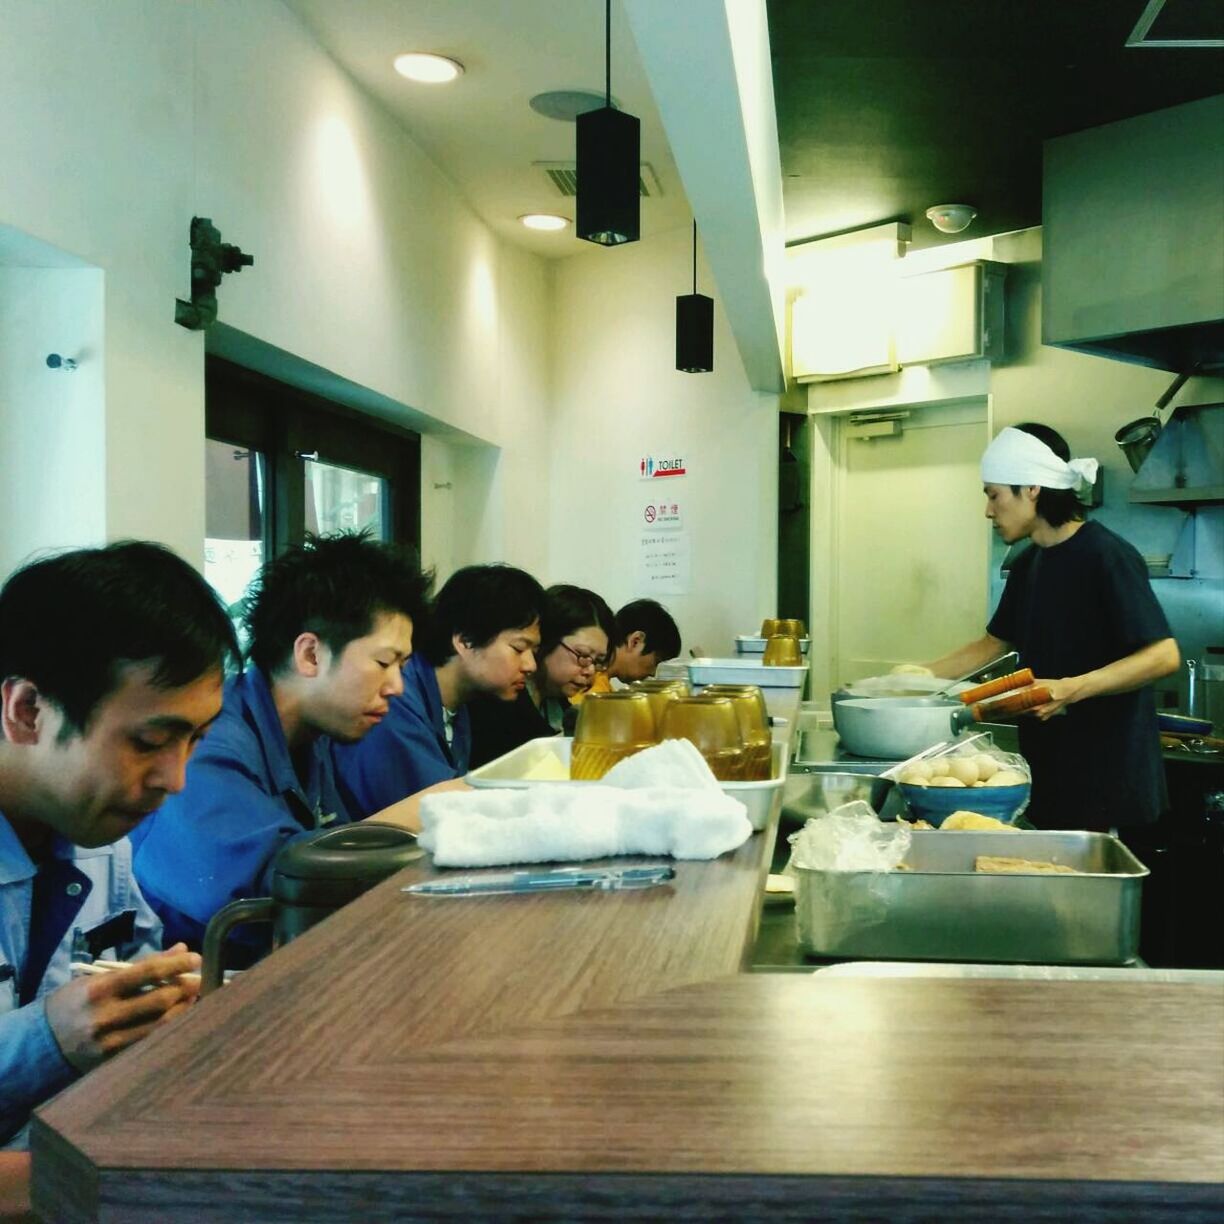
607	880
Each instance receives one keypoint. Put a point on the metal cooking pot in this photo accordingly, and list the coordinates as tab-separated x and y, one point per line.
838	699
894	728
312	878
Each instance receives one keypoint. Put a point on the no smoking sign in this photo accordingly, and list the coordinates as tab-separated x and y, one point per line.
662	515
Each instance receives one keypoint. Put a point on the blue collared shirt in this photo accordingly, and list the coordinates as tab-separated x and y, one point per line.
408	750
215	841
79	904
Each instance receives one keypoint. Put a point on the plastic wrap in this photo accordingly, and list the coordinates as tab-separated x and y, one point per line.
850	838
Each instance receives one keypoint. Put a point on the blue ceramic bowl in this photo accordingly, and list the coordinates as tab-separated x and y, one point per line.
935	803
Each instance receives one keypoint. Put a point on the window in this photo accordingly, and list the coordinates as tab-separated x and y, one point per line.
235	518
283	462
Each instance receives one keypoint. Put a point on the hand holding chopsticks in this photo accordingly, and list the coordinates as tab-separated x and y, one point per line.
106	1010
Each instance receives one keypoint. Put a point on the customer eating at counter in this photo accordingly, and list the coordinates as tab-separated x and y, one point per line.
646	635
1079	608
576	630
111	667
330	627
479	641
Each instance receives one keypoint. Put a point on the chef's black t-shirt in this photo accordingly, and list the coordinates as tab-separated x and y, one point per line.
1068	609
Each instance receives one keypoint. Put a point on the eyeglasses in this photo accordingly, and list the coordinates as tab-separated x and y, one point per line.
585	660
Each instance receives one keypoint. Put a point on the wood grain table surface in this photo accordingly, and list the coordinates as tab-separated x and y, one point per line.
603	1056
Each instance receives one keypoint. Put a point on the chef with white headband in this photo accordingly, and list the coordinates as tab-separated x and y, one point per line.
1079	609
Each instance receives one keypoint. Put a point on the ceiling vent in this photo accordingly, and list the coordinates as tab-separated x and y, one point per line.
564	178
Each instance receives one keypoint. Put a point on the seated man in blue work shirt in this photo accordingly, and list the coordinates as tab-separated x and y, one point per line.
330	627
111	662
483	630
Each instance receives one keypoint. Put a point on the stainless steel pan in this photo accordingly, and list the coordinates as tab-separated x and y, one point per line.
894	728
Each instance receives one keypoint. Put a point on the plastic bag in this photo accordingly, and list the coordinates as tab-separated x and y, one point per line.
850	838
965	774
971	759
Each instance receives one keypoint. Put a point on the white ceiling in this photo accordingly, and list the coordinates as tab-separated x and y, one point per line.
480	129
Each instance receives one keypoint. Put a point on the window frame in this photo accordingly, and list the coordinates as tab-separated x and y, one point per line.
255	412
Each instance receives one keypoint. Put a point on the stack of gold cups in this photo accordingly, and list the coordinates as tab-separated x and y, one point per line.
611	726
711	723
727	724
749	704
782	647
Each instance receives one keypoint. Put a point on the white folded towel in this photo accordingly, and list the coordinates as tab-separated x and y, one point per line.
688	818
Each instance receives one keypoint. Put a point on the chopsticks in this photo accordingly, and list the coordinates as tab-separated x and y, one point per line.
100	966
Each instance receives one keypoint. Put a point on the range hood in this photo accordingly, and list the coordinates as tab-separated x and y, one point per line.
1133	234
1185	466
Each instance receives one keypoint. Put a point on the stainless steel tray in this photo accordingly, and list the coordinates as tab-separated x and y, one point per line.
761	799
942	910
747	644
745	669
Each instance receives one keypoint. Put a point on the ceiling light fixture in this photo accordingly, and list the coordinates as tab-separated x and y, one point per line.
567	104
951	218
544	221
427	68
608	157
694	326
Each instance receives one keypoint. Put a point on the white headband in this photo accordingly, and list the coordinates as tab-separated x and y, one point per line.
1017	458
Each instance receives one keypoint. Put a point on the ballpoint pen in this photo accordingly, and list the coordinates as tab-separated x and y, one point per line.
607	880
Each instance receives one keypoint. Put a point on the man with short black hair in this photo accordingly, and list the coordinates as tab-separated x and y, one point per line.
330	626
1080	610
483	629
111	666
647	636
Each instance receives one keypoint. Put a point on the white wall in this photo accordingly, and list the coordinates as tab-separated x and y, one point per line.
51	421
127	118
618	397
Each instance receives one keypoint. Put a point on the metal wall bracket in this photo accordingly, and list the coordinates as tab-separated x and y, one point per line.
211	259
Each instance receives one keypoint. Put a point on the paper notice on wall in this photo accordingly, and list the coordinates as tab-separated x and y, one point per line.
663	563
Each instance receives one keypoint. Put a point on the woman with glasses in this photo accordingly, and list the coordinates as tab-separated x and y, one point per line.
577	632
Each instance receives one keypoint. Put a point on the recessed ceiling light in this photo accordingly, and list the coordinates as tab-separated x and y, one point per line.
430	69
544	221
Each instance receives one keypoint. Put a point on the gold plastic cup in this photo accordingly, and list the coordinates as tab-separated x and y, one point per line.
770	626
611	726
753	717
655	685
792	628
711	724
782	650
659	693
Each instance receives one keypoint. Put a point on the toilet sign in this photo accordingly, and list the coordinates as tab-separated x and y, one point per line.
662	514
657	467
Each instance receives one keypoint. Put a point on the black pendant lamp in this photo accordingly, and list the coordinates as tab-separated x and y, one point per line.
608	169
694	327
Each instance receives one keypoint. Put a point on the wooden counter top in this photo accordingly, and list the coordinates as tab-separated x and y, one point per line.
601	1056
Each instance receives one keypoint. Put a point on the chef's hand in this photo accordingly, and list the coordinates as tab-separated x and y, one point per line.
95	1016
1062	694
